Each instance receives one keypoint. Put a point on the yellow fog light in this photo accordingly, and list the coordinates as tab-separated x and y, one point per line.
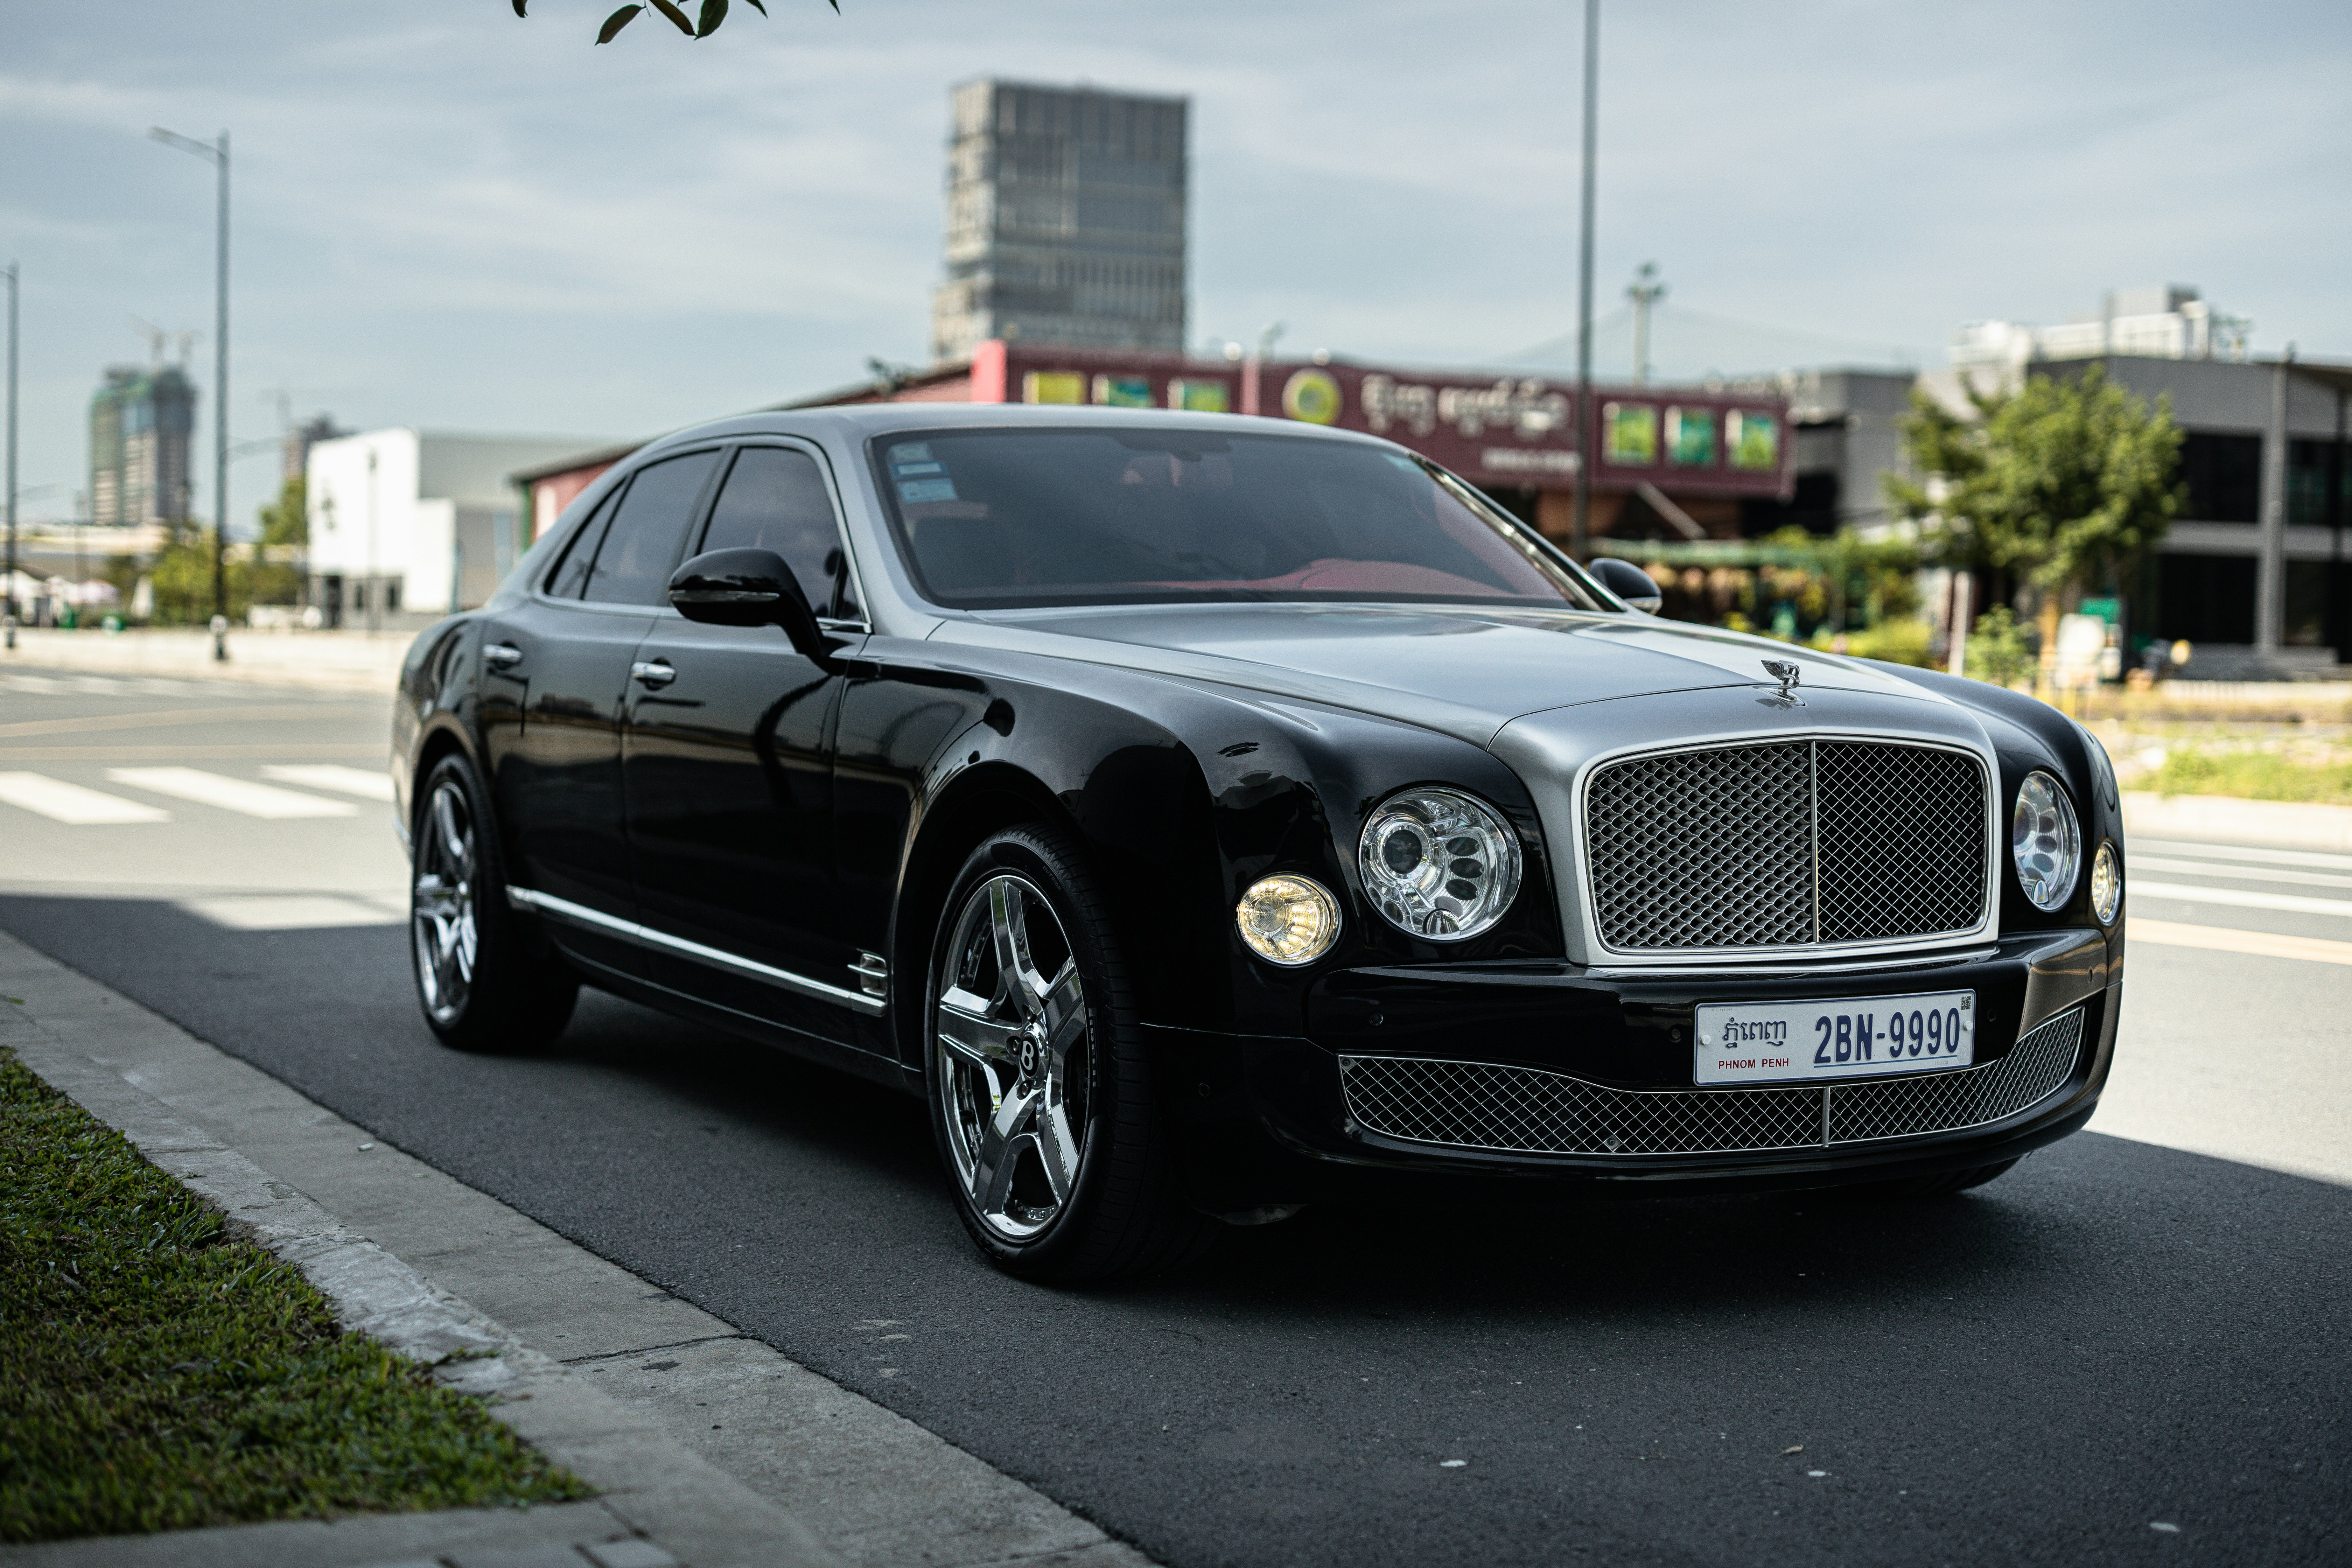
1287	920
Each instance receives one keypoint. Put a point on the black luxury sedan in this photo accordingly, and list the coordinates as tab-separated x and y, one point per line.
1209	816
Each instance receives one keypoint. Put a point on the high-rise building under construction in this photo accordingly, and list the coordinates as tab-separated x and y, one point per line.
1066	220
139	421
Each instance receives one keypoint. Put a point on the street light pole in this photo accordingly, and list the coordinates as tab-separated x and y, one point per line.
217	152
11	595
1645	290
1585	424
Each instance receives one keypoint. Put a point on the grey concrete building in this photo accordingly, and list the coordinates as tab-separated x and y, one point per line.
2253	574
1065	219
140	422
1845	431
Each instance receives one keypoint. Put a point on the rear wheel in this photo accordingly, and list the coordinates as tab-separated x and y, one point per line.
482	986
1040	1097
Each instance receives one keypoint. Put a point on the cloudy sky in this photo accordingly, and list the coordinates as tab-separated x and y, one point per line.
451	218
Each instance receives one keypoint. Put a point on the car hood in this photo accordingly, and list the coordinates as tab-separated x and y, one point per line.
1462	671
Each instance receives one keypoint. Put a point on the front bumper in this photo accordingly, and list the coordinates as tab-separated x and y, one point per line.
1583	1075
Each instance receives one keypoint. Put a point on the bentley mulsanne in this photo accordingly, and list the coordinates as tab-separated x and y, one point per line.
1209	816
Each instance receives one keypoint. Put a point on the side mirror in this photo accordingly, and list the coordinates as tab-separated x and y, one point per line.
1629	583
748	587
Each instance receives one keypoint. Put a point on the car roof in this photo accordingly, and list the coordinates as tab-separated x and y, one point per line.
861	421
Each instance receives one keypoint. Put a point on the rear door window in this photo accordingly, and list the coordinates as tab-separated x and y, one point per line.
775	499
571	573
639	550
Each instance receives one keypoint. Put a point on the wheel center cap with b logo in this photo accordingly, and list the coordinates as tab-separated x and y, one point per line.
1029	1051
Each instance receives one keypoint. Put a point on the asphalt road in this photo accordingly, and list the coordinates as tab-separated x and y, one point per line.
2121	1352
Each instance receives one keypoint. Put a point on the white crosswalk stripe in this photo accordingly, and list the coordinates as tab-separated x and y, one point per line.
2243	854
231	794
106	686
2242	873
367	782
2243	898
71	803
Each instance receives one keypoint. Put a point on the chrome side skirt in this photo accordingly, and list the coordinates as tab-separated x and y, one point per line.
661	941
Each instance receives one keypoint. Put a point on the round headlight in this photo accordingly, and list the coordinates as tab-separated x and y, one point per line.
1287	920
2106	884
2044	841
1439	864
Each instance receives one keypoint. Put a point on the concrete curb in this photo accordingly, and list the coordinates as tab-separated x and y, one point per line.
2223	819
671	1504
712	1446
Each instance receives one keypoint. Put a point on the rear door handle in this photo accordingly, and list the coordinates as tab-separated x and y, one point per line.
654	673
502	656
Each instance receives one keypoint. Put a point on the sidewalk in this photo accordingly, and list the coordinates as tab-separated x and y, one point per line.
709	1449
343	660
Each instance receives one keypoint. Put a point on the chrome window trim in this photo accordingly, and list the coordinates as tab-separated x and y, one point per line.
645	936
1650	959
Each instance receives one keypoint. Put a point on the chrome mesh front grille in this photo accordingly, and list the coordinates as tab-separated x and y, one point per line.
1526	1110
1932	1102
1785	845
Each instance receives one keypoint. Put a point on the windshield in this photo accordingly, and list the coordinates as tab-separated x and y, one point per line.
999	519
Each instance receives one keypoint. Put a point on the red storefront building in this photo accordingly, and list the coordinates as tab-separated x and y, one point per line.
1675	463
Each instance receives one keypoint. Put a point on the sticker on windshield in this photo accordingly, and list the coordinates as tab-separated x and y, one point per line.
919	475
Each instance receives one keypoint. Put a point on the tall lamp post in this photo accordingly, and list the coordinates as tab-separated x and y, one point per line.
1586	427
217	152
11	595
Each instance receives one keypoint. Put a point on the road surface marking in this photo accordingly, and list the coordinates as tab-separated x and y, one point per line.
236	794
376	785
298	911
2238	898
2242	873
306	712
2246	852
62	801
2229	938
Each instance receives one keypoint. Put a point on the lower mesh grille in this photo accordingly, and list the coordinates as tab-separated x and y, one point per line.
1482	1105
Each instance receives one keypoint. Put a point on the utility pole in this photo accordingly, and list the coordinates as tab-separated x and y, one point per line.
1586	426
1644	292
11	595
217	152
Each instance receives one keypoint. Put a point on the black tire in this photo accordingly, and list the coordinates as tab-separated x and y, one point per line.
1941	1186
1071	1070
483	984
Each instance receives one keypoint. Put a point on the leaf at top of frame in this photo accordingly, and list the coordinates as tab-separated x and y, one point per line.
677	17
713	13
616	21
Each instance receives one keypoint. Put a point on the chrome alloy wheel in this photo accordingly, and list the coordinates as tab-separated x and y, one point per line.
446	939
1010	1029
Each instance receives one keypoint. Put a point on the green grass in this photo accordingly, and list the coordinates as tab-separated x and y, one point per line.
157	1374
2249	775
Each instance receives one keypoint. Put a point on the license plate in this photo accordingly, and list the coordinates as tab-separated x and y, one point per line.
1857	1037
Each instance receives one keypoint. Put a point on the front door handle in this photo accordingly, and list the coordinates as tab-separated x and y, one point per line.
502	656
653	673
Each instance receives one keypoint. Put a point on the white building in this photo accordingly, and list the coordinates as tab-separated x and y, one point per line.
407	526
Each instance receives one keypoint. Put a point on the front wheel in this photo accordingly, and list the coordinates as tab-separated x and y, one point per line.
1040	1095
481	985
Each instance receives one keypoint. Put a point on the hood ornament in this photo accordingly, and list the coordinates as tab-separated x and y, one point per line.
1787	672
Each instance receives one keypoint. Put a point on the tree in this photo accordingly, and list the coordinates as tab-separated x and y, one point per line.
287	521
2058	486
713	13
